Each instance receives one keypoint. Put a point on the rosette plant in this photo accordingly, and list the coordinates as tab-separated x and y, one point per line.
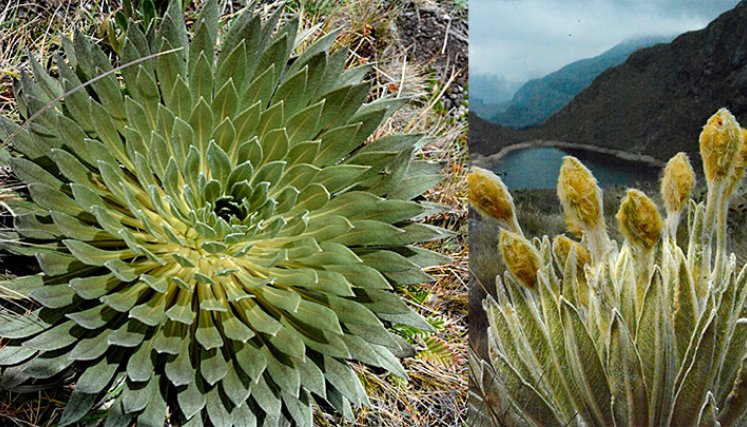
217	232
647	334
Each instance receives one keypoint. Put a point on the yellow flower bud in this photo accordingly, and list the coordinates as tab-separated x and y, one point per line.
741	163
743	149
580	195
489	195
562	246
677	182
720	143
521	258
639	219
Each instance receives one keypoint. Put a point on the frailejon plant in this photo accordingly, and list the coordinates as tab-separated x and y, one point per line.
650	333
216	238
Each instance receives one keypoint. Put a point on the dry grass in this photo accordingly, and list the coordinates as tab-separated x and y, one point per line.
35	27
436	392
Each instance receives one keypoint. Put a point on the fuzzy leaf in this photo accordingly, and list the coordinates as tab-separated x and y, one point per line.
54	338
588	372
77	407
694	385
95	378
626	377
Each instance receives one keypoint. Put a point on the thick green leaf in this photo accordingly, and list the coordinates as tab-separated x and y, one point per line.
236	385
77	407
244	417
31	173
299	409
342	102
140	366
697	376
213	366
284	374
94	317
12	355
76	229
136	396
54	296
342	377
626	377
154	414
267	398
207	333
582	355
126	298
92	255
23	285
92	287
97	376
233	328
53	200
340	177
182	311
179	369
523	396
654	341
258	318
288	341
316	314
312	378
373	355
217	410
292	91
92	347
130	334
151	312
48	365
250	360
117	417
304	125
55	338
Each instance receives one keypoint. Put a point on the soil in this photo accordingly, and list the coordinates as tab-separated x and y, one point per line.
434	37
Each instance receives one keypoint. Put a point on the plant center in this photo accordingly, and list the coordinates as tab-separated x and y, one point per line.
227	207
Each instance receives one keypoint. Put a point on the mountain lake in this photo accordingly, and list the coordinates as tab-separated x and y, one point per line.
538	168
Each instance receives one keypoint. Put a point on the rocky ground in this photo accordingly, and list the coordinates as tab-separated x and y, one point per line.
438	38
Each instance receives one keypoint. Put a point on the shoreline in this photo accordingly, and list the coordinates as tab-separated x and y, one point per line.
486	161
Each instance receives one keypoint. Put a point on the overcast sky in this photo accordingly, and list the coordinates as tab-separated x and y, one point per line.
518	40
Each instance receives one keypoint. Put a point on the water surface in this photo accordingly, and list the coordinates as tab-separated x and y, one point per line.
538	168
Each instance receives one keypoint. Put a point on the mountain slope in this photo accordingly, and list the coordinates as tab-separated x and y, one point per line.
490	94
539	98
486	138
485	109
657	101
491	89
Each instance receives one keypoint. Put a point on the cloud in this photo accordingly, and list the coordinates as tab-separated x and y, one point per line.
523	39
